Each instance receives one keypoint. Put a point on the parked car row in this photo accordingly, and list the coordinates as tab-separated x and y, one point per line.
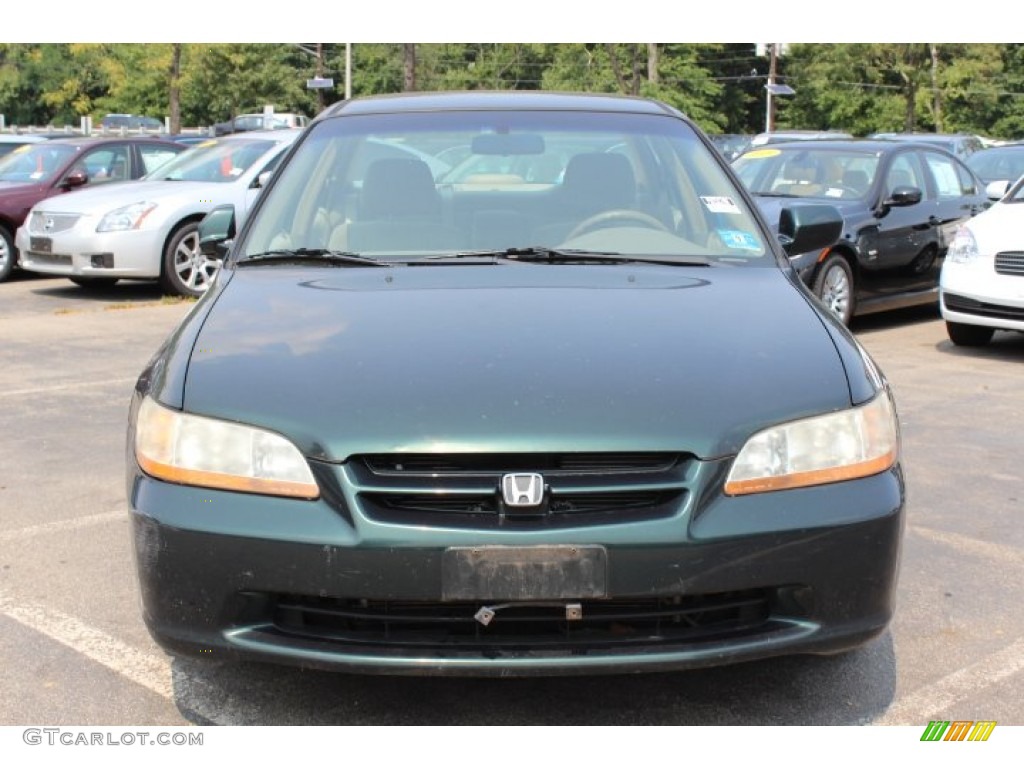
36	171
147	229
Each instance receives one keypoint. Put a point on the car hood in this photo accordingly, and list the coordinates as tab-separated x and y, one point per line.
17	187
513	358
107	197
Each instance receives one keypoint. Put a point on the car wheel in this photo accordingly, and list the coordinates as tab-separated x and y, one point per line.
186	271
834	286
8	255
969	335
94	282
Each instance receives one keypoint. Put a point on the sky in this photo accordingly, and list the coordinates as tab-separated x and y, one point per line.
551	21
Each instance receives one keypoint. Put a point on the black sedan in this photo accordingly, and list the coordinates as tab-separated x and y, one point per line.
901	204
588	424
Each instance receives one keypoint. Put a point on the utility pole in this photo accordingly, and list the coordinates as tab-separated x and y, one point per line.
320	101
348	70
769	116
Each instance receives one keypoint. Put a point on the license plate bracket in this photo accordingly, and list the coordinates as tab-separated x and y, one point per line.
40	245
544	572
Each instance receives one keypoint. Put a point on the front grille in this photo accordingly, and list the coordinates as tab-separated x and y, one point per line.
969	306
499	463
604	624
463	490
1010	263
51	223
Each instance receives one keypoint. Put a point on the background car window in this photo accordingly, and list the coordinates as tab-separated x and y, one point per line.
154	157
906	171
214	160
944	172
106	164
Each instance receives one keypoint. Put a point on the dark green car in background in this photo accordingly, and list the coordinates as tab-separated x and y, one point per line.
580	419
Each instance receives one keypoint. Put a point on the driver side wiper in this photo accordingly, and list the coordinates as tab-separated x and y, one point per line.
308	255
540	253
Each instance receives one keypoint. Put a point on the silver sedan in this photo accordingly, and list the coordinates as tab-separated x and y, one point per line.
147	229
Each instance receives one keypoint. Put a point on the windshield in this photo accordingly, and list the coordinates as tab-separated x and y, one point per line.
427	184
216	160
808	172
35	162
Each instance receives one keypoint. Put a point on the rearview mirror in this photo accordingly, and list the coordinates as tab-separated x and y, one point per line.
804	228
995	190
216	231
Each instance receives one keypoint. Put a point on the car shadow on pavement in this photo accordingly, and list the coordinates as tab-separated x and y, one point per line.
1005	345
850	689
122	291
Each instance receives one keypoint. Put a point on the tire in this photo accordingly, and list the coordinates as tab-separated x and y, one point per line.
185	271
969	335
94	282
8	254
834	287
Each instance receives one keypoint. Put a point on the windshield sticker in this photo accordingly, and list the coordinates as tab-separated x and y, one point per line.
738	240
720	204
208	143
23	148
833	192
756	153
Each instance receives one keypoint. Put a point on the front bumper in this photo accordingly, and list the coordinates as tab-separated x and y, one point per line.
975	294
74	252
318	584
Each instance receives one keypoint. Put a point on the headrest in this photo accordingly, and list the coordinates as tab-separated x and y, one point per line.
599	181
398	187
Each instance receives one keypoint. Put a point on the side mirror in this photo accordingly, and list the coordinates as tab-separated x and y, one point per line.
216	231
76	178
902	196
810	227
263	179
995	190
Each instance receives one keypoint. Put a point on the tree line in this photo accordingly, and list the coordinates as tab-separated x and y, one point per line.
856	87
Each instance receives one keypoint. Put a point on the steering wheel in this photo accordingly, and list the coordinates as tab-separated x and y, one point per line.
618	214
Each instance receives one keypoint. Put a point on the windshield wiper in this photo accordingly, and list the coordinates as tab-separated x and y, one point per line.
312	255
540	253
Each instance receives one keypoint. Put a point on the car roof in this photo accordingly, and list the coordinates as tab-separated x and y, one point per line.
495	100
279	134
859	145
93	141
20	138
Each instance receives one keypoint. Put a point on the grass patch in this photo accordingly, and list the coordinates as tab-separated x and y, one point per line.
66	311
178	299
115	307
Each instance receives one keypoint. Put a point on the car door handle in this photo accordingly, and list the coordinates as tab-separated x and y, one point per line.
934	221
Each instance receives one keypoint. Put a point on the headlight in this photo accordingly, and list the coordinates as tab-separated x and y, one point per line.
964	247
128	217
853	443
195	450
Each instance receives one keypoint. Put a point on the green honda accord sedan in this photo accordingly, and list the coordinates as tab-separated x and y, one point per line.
568	411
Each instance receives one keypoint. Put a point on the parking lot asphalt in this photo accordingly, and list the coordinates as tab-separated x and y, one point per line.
73	649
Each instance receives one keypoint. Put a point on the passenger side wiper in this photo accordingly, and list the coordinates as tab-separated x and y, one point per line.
539	253
312	255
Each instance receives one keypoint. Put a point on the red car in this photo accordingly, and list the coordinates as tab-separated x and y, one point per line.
34	172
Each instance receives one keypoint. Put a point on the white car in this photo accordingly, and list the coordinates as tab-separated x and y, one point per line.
147	229
981	288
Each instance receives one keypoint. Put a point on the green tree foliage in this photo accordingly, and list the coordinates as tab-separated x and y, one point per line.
857	87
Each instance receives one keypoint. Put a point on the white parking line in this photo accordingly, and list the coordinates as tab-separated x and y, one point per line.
58	526
985	549
939	698
70	385
145	669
